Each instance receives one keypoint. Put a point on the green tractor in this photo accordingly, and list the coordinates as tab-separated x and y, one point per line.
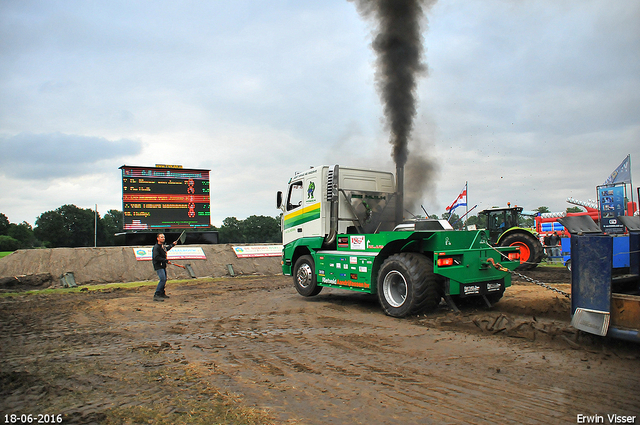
503	226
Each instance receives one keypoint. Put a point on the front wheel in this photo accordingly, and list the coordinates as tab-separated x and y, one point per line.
304	277
407	285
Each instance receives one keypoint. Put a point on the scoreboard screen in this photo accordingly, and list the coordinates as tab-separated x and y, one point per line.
165	197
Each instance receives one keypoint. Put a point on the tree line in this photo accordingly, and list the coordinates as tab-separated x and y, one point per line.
71	226
67	226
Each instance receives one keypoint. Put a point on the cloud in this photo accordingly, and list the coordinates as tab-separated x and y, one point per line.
530	102
48	156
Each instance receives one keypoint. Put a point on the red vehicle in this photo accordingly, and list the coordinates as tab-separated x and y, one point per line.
547	223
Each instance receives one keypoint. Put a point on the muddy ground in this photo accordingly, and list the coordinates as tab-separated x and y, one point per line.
251	350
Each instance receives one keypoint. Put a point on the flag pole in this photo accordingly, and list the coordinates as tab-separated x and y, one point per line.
466	190
631	180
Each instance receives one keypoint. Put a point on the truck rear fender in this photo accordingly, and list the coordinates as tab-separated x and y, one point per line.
394	247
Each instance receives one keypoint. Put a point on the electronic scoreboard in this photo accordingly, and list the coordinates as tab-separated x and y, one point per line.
165	197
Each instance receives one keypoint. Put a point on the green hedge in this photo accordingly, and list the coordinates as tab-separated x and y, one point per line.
7	243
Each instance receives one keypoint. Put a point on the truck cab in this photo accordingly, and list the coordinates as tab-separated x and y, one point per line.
363	202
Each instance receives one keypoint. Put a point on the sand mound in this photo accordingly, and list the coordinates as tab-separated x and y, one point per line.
119	264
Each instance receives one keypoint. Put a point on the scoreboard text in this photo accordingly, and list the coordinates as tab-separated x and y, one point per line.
156	198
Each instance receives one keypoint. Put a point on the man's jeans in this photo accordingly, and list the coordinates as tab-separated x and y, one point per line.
162	275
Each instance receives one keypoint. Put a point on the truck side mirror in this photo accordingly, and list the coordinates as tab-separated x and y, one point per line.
279	200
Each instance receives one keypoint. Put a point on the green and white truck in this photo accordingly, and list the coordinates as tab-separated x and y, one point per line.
340	229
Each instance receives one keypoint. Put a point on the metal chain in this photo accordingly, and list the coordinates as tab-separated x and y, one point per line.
537	282
527	278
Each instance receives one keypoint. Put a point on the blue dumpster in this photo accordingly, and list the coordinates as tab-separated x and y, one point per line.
603	303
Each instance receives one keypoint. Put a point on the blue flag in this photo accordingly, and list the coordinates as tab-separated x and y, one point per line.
622	174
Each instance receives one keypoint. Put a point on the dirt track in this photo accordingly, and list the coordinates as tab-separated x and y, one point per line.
118	357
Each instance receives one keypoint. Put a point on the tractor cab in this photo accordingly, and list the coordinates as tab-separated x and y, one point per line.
500	219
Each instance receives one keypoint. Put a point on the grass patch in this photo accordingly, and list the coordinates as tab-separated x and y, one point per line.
551	265
101	287
5	253
108	287
177	394
209	407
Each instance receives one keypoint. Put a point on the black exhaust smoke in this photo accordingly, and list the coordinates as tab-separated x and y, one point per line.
398	45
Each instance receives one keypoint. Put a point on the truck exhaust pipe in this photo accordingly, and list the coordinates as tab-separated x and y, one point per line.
399	194
332	198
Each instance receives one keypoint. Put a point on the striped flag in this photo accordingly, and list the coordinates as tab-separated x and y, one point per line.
461	201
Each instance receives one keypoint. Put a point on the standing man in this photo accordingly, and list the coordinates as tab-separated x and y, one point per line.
554	241
159	257
547	246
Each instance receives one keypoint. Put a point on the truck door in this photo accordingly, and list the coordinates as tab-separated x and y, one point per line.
293	204
302	210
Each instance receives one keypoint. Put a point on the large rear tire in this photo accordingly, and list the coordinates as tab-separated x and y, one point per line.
407	285
530	249
304	277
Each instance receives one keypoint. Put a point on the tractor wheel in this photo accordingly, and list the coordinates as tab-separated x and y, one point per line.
407	285
530	249
304	277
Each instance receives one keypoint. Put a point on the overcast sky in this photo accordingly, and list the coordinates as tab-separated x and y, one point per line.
531	102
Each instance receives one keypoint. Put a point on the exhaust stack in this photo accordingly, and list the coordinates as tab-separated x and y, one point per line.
332	198
399	194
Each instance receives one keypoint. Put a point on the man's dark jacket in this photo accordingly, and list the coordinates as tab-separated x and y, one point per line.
159	256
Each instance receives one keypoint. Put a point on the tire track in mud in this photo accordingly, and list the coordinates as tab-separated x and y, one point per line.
335	358
361	367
